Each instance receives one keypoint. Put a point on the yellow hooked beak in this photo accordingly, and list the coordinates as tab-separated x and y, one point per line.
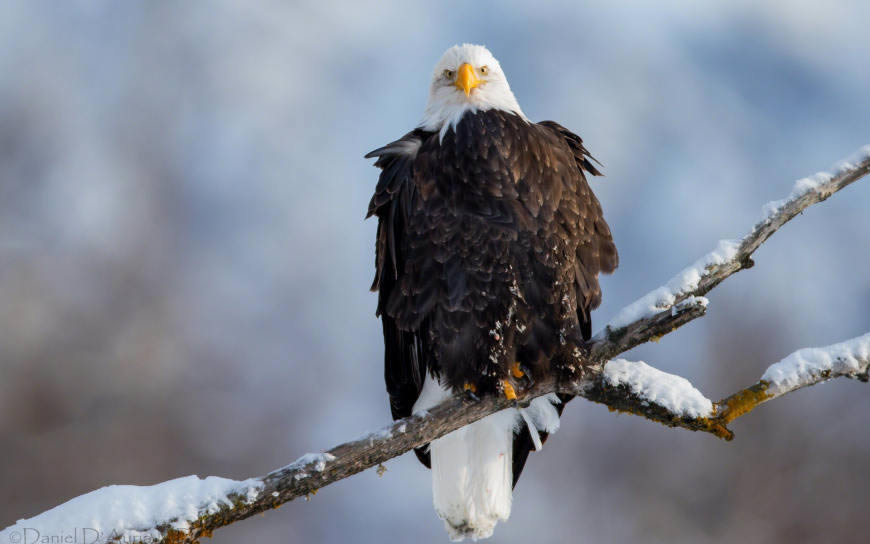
466	79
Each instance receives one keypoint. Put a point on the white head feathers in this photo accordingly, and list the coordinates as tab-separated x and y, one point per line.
457	88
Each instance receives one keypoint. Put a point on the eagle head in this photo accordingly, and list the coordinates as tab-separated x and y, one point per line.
466	79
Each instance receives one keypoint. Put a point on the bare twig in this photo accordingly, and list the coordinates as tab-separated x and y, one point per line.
652	316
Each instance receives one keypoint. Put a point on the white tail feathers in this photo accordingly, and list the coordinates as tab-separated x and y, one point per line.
472	467
472	472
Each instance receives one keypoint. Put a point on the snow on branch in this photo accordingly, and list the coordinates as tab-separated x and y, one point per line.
803	368
813	365
130	513
186	509
729	256
673	393
641	389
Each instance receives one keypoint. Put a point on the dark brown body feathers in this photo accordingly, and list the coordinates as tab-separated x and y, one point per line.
489	247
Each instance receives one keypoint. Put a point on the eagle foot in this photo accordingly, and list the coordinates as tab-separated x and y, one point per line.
509	392
470	391
521	372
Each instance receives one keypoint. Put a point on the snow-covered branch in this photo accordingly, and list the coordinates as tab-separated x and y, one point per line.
803	368
186	509
730	256
641	389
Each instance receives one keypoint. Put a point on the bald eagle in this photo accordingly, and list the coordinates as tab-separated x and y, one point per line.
489	246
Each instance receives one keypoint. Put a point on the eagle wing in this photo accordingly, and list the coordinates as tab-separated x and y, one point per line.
596	253
581	215
405	351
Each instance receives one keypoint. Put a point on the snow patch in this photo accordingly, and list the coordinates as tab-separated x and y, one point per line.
852	162
689	301
812	183
806	366
686	281
801	187
131	512
674	393
374	436
319	461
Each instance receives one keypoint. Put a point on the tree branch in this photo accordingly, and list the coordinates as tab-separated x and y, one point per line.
803	368
671	400
621	385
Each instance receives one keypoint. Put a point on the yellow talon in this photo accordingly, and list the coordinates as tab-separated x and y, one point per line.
470	387
516	371
509	391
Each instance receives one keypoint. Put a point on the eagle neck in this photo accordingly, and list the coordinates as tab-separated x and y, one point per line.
440	115
469	115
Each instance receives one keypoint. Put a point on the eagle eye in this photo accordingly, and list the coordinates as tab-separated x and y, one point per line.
484	70
449	74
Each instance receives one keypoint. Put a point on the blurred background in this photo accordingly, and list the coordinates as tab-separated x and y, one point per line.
184	265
